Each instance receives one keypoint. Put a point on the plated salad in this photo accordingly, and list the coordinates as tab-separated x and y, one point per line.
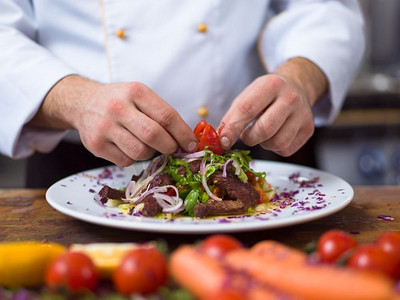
206	183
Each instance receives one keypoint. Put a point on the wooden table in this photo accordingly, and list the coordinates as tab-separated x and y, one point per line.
26	215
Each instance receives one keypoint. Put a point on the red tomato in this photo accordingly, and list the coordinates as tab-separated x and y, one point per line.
142	271
390	242
73	270
372	257
333	244
221	127
207	136
251	178
219	244
217	191
198	130
171	192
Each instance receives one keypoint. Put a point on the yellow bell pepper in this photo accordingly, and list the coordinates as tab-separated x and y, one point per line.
23	264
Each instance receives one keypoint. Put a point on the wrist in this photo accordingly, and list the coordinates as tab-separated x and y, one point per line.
59	109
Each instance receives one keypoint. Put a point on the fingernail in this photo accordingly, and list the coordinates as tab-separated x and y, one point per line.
192	146
225	142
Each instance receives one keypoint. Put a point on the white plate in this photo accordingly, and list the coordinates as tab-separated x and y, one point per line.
320	195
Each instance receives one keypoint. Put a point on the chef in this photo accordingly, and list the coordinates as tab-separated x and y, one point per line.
128	78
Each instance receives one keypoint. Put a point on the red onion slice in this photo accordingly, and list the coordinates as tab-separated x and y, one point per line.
225	166
237	167
203	171
169	204
198	154
136	188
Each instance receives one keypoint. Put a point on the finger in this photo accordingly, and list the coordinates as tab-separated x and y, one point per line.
132	146
118	141
99	143
301	138
150	133
247	107
112	153
289	139
282	139
298	142
266	125
168	118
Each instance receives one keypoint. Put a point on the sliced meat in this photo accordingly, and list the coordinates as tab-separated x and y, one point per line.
182	170
110	193
151	206
194	167
136	177
229	167
161	180
236	189
219	208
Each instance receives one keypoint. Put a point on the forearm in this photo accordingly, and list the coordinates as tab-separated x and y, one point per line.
59	109
306	75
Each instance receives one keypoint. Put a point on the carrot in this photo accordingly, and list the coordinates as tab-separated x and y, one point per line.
271	250
311	281
200	274
205	276
263	195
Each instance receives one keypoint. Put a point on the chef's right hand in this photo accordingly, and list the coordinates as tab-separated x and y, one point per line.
120	122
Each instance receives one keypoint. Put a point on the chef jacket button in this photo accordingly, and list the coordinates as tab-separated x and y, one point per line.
202	28
202	111
120	33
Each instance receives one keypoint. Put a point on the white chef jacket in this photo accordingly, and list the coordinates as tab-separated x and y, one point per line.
197	53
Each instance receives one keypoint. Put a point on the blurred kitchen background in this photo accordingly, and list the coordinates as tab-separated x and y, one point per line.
362	145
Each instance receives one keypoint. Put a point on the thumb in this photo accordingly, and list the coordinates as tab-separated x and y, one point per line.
229	131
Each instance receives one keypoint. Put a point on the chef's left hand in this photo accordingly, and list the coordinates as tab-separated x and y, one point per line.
275	109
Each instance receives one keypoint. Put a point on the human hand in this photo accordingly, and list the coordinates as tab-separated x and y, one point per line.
275	110
120	122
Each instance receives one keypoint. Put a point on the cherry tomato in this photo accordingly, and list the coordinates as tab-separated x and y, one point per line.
333	244
142	271
217	191
171	192
390	242
207	136
219	244
374	258
73	270
199	129
221	127
252	179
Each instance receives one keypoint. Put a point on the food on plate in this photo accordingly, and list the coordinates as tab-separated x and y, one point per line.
73	271
24	263
209	182
207	137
